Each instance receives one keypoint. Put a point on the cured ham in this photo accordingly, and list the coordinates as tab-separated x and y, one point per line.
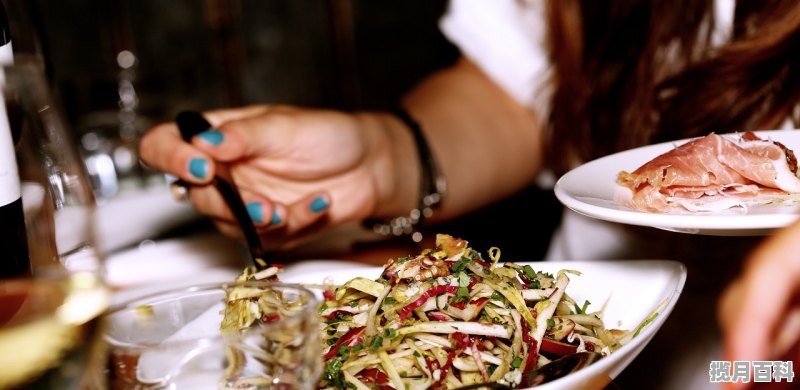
713	173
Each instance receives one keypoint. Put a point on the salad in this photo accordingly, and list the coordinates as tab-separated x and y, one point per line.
449	317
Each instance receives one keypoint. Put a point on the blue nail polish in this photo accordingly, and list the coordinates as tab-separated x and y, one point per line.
318	204
255	211
214	137
198	167
276	219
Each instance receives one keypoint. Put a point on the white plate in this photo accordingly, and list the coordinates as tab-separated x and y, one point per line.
630	291
590	189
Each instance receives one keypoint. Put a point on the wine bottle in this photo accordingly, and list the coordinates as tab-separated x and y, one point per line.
6	53
14	260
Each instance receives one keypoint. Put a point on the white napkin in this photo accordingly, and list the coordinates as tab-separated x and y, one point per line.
174	260
139	214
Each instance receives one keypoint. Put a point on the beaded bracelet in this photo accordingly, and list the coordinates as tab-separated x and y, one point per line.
432	187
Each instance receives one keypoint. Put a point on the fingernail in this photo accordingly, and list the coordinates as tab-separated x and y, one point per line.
256	212
318	204
276	219
198	167
214	137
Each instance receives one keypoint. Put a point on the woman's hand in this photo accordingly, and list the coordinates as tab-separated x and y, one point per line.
760	311
299	170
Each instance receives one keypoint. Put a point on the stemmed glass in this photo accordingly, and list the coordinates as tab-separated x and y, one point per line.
52	291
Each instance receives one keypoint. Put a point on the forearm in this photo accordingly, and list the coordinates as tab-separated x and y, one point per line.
487	144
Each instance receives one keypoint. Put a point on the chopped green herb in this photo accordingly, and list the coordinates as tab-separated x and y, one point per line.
377	342
402	260
582	310
516	362
333	372
529	272
339	317
460	265
550	323
462	295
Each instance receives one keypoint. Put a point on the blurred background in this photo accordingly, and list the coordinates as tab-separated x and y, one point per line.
121	66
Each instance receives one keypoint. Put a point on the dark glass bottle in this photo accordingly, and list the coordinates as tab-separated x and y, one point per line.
14	260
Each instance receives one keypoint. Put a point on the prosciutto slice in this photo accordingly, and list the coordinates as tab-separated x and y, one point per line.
714	173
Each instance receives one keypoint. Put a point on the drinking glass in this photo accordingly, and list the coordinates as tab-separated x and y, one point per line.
52	291
176	339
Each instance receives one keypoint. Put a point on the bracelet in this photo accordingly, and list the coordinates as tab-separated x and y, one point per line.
432	187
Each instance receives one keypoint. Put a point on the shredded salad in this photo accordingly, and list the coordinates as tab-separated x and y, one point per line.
448	318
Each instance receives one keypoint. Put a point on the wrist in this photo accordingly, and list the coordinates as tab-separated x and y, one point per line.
414	160
395	171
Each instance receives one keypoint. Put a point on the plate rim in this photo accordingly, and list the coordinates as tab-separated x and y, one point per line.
735	224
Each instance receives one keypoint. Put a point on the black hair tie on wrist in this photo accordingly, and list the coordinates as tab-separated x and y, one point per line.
432	187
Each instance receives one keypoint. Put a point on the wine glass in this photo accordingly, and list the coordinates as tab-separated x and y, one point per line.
52	291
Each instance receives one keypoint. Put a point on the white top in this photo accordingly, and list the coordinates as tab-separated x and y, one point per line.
507	41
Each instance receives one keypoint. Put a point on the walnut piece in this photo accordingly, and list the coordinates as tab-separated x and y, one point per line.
420	268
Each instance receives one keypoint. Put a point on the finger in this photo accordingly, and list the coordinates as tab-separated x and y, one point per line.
218	117
163	149
301	220
236	139
262	212
304	213
788	336
764	292
750	323
266	215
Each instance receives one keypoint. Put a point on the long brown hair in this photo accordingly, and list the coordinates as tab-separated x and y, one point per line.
634	72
